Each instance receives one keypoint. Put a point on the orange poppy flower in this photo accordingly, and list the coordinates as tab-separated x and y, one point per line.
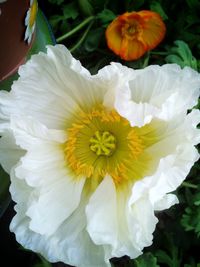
131	35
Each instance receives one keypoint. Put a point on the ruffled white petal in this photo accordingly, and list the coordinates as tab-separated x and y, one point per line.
165	92
10	152
113	78
170	173
59	85
101	211
63	197
70	243
44	168
141	227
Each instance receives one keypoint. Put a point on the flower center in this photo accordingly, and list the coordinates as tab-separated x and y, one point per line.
131	30
103	143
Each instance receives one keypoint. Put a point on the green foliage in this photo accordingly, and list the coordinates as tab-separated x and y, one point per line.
86	7
181	18
42	263
4	193
106	16
182	55
171	256
157	7
191	217
146	260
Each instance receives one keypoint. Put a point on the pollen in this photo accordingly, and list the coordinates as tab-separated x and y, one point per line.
102	142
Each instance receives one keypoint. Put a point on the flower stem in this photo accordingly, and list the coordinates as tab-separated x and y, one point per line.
186	184
82	38
159	53
76	29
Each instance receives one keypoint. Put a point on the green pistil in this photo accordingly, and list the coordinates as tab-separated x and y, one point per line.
103	143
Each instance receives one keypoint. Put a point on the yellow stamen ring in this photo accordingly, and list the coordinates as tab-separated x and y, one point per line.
102	142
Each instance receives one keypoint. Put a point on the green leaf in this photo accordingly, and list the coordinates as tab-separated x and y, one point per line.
93	39
55	20
146	260
4	191
131	5
86	7
181	55
172	255
191	219
43	263
106	16
56	2
156	7
70	11
44	35
193	4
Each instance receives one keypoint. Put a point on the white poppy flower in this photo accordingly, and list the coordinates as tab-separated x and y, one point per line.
93	157
30	20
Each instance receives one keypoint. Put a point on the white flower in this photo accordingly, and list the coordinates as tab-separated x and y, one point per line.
30	20
91	158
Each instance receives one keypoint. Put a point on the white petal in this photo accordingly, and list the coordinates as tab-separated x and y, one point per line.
141	222
171	172
59	85
29	133
158	91
101	213
4	115
70	243
10	153
54	204
166	202
112	78
77	247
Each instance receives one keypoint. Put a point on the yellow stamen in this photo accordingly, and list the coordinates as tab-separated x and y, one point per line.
102	142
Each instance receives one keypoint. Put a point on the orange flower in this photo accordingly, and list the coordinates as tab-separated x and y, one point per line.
131	35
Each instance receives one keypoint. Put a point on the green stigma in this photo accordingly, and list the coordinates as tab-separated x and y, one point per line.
103	143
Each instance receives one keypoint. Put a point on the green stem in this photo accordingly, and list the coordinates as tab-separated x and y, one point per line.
186	184
159	53
76	29
82	38
146	60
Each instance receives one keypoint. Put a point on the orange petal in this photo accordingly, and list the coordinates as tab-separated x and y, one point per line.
130	35
114	37
131	49
153	29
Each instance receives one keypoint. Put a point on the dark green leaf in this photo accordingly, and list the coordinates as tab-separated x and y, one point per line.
193	4
156	7
146	260
4	191
86	7
106	16
131	5
181	55
70	11
57	2
93	39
